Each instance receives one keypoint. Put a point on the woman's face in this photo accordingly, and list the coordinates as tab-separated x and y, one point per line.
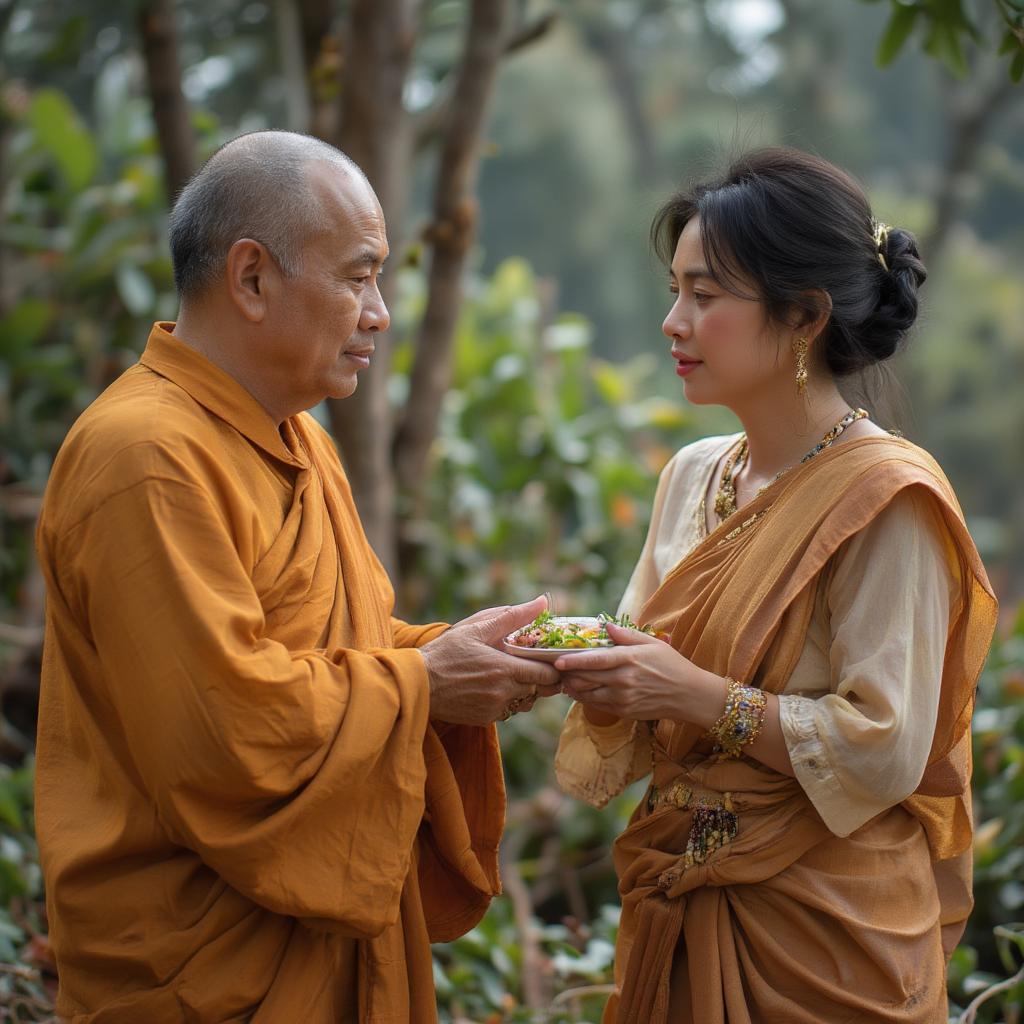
726	350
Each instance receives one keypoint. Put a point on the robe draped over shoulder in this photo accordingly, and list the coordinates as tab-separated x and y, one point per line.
243	809
794	917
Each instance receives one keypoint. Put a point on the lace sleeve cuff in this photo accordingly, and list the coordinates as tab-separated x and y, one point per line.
810	759
596	762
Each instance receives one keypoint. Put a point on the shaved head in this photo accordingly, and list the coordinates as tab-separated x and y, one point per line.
256	186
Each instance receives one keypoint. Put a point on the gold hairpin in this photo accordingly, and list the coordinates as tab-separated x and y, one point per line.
881	232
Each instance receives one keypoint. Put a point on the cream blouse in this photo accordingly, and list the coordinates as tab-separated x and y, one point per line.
859	710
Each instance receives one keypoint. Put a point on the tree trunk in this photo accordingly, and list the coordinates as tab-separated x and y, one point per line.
322	56
163	77
376	133
452	234
294	65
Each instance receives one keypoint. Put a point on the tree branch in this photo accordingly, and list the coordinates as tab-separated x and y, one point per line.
429	123
170	109
612	46
452	233
970	119
534	994
526	35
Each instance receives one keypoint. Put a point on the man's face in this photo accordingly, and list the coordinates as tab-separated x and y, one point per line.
322	325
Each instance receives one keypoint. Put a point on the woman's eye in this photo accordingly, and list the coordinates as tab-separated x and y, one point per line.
701	297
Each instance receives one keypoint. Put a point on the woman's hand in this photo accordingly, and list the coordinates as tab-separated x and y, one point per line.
642	678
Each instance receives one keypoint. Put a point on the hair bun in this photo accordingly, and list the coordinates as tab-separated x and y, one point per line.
896	309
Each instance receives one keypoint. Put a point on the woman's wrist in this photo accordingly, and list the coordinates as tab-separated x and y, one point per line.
702	699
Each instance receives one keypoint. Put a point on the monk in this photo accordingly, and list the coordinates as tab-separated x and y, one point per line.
260	796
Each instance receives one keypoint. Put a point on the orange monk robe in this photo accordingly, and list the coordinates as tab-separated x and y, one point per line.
243	810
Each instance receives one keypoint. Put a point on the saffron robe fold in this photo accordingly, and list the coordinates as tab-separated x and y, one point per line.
243	810
788	921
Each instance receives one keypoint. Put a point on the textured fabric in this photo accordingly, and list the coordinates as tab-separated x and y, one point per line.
746	931
857	717
243	810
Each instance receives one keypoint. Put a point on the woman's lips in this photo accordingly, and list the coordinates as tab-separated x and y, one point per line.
684	367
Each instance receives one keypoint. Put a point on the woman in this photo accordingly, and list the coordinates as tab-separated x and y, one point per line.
802	855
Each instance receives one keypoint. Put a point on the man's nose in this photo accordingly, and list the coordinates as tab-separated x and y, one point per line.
374	316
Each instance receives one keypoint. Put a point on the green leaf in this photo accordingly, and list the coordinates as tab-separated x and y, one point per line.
1017	67
962	963
23	326
943	42
60	132
1018	623
1009	43
896	33
10	812
12	881
612	384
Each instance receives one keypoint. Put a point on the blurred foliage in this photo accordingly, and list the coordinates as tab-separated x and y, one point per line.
545	458
27	981
965	350
998	788
556	425
88	258
946	25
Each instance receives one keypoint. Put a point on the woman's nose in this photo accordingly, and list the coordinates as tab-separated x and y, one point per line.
675	325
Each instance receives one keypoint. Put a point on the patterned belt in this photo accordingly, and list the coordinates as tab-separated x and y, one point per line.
714	822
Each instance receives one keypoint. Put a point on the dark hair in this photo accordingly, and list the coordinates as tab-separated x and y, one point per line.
255	186
792	223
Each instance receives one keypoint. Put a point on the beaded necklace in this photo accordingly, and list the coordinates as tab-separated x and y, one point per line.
725	497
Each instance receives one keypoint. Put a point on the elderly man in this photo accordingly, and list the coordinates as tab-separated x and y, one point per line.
260	796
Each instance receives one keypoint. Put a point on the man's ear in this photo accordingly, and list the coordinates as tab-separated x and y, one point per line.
249	268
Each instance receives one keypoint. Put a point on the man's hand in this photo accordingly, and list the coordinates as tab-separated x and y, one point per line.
472	682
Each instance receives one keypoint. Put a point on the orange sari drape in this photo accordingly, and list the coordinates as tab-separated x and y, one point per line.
788	922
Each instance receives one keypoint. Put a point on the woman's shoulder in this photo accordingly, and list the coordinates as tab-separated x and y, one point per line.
701	454
685	478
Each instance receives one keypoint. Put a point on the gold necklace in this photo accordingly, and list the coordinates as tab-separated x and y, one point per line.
725	496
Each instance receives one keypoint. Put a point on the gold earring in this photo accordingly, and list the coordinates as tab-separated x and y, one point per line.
800	348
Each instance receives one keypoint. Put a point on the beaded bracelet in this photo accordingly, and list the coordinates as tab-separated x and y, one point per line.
741	721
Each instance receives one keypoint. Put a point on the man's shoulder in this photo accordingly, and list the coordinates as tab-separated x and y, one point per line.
141	427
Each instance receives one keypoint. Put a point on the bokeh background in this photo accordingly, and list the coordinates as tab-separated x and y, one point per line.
508	438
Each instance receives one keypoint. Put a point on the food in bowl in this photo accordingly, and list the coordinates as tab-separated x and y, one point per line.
567	633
